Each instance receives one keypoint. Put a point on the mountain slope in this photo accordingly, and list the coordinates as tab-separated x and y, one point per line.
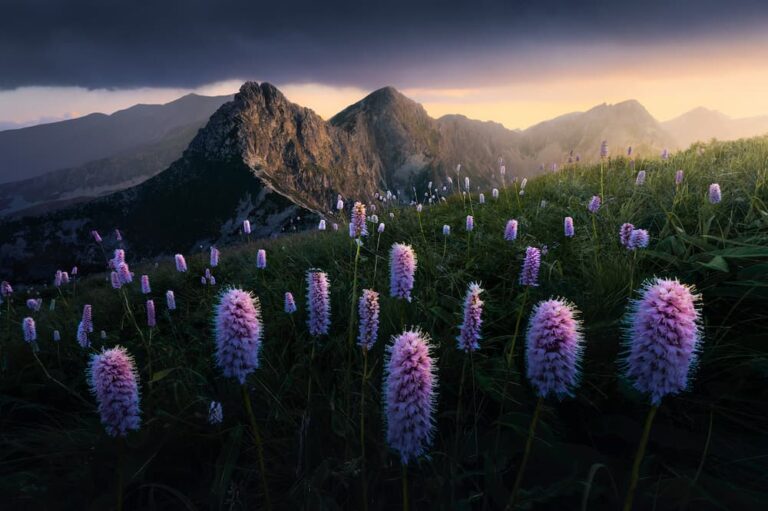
60	188
624	124
75	142
702	125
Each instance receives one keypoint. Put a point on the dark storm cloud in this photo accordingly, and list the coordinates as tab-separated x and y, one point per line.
187	43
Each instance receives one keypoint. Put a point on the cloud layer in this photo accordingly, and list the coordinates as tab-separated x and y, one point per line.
188	43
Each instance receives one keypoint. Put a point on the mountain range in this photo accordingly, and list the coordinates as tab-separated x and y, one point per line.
53	165
281	166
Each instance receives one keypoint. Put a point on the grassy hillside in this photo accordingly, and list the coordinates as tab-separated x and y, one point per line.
707	449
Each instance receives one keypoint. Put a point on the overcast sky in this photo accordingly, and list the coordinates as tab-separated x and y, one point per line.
511	61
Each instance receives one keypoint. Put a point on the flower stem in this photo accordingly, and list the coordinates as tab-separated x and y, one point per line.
351	329
511	353
405	488
120	473
639	458
526	453
362	429
259	446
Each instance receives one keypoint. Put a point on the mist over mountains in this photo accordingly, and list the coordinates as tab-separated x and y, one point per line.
278	164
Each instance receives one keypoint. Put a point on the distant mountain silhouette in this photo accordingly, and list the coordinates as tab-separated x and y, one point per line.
29	152
702	125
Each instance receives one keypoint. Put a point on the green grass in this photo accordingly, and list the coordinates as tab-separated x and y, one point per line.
708	448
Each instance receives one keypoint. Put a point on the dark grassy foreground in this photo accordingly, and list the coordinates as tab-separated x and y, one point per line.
708	448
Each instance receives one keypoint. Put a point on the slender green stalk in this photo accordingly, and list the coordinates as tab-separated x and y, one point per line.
406	502
376	258
474	401
526	453
57	382
511	352
602	191
259	445
351	328
421	228
458	407
639	458
362	429
120	472
445	245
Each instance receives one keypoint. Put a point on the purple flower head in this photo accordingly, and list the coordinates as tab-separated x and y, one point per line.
181	263
446	230
119	257
604	149
212	280
170	300
568	227
64	277
358	227
215	413
554	344
56	336
82	336
96	236
640	180
402	267
151	318
663	335
339	204
714	193
34	304
625	232
261	259
368	308
410	390
466	183
214	257
335	226
207	273
290	303
238	333
679	177
469	330
665	154
529	275
470	223
203	280
115	383
145	288
5	289
118	235
29	330
419	207
319	302
503	170
381	228
495	193
481	198
629	151
510	231
594	204
124	273
103	335
115	279
638	239
74	271
87	318
57	278
246	227
321	225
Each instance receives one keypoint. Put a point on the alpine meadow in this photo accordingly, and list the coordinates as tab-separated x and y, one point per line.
586	339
